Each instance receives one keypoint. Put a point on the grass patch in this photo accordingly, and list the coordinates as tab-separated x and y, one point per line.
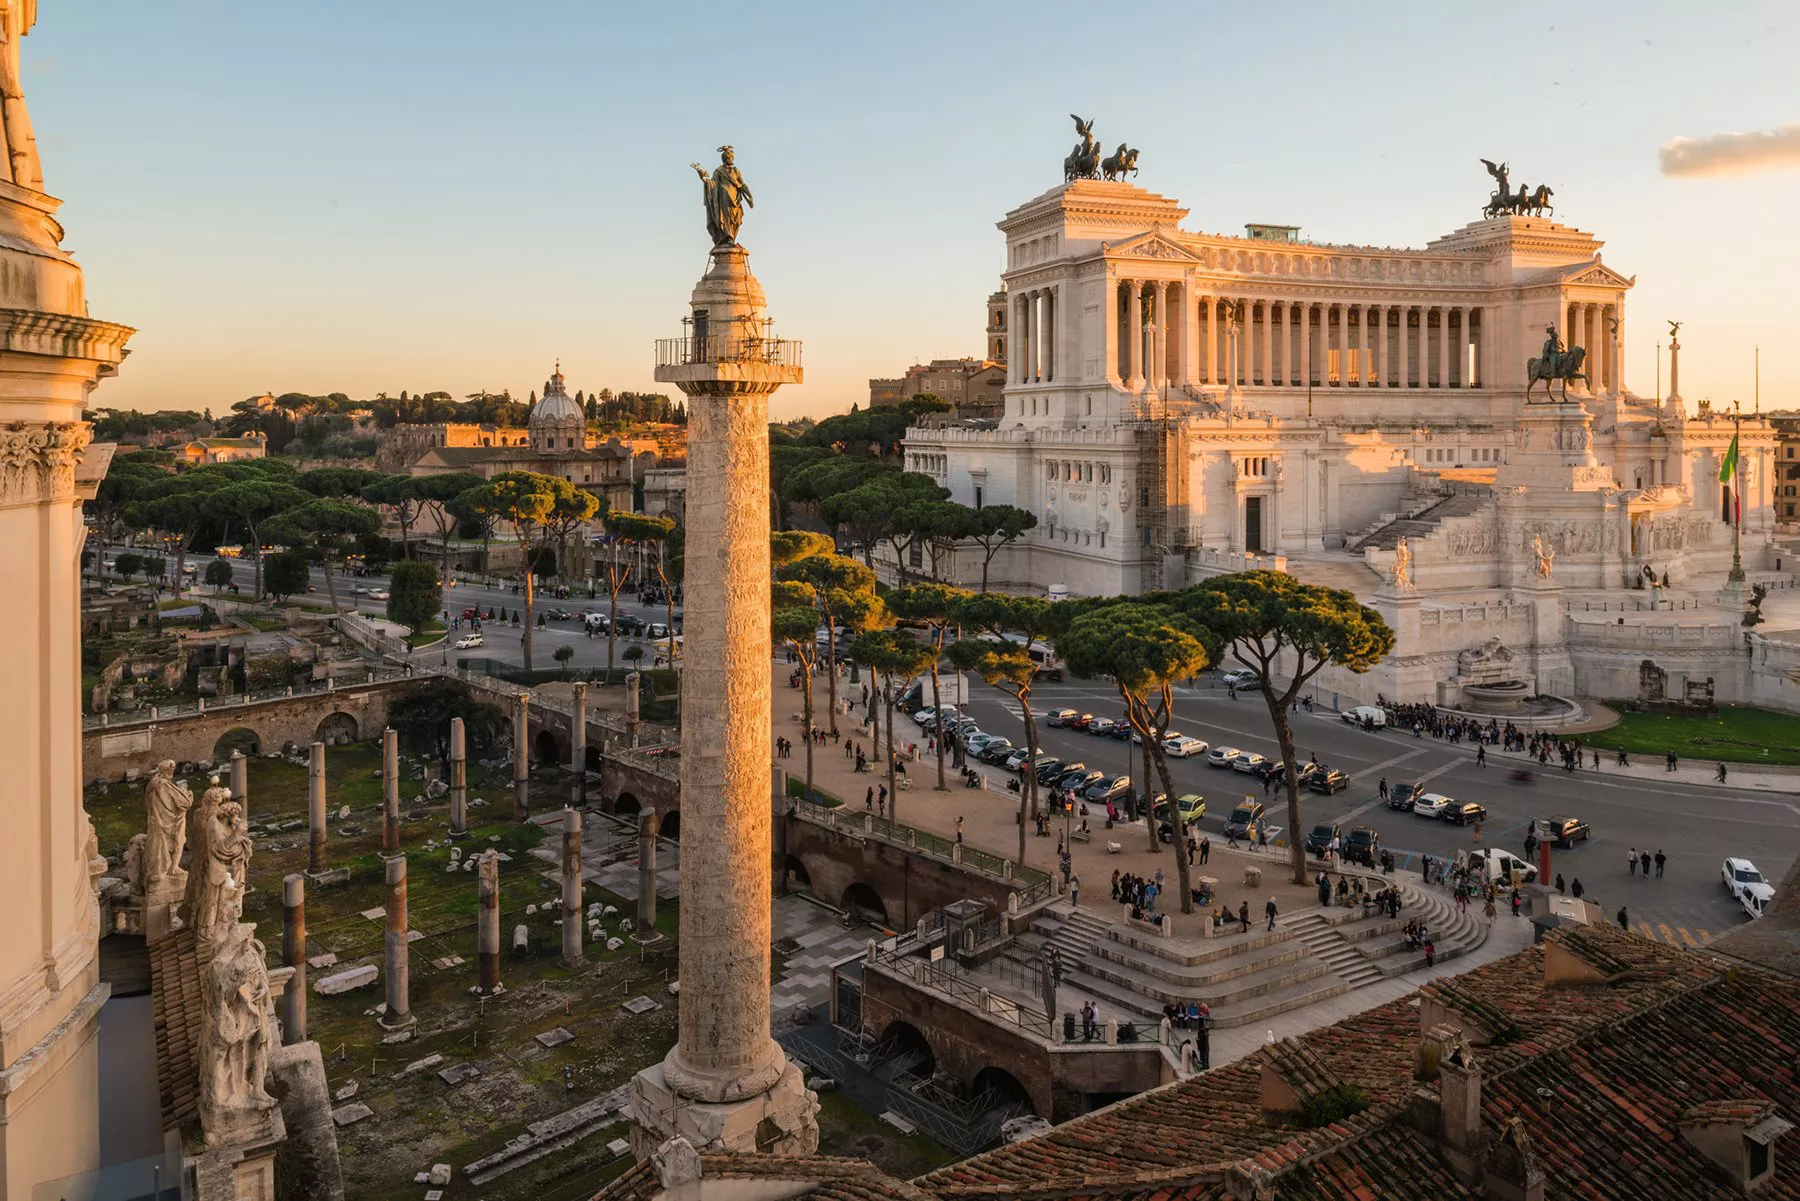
1737	735
432	631
265	624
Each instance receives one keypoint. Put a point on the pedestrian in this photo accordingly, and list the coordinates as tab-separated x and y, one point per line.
1631	860
1669	761
881	797
959	827
1531	846
1721	773
1205	850
1660	860
1384	788
1560	887
1271	910
1575	888
1324	884
1481	755
1074	886
1262	835
1624	922
869	800
1115	884
1517	902
1488	909
1244	915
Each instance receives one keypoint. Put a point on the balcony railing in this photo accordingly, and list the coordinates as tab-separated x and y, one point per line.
726	348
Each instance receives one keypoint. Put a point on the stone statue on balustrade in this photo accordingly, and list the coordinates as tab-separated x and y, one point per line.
726	196
218	871
1546	556
166	805
22	166
237	1030
1403	558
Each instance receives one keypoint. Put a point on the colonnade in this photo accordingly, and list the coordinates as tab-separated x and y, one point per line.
1159	336
1032	344
1593	326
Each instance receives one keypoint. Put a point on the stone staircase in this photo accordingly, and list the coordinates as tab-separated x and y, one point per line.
1245	978
1424	522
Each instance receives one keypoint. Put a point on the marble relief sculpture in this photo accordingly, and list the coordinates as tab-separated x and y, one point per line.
237	1032
1546	556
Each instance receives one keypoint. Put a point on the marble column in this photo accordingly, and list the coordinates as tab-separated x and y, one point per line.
631	706
1478	337
571	886
521	757
390	791
399	982
1381	345
1109	331
1040	326
646	931
293	954
1279	312
459	778
578	747
1426	375
1213	374
1267	356
1403	338
240	782
1018	340
1325	347
1159	343
1455	347
1363	362
315	809
1186	330
1306	355
1134	325
487	933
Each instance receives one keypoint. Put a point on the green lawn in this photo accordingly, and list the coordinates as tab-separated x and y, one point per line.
1737	735
432	631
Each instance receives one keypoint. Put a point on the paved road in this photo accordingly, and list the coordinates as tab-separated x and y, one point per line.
1695	825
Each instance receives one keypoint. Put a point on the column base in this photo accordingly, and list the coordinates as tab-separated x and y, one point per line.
405	1021
783	1120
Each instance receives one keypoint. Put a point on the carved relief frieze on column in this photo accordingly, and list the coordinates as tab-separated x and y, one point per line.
38	460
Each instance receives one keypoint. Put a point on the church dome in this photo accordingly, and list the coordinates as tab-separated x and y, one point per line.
557	407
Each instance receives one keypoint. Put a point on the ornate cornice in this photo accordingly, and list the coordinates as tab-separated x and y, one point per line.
38	460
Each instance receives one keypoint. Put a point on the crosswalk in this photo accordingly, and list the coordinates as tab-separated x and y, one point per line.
1676	936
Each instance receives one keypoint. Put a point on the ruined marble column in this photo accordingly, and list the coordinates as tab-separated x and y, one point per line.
726	1085
240	782
487	883
293	954
578	748
646	900
571	886
521	757
631	706
459	778
315	807
399	1006
390	791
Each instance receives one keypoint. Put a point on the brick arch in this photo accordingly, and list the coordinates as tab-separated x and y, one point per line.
238	738
1006	1087
626	805
337	727
900	1039
547	749
861	898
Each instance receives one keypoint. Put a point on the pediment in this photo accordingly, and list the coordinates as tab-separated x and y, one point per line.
1153	245
1597	274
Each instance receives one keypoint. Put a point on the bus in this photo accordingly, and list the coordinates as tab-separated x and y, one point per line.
1042	656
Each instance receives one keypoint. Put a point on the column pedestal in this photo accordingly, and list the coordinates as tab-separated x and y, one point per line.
780	1120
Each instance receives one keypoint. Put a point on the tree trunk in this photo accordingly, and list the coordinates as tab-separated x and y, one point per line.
893	789
1177	826
1284	738
831	672
1149	797
986	559
937	704
1031	743
806	707
256	550
330	584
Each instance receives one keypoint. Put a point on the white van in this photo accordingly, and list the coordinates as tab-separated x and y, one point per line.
1366	715
1505	869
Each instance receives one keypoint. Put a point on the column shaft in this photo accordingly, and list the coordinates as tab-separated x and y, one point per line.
1381	346
646	906
1403	338
1268	343
1159	367
1109	331
1325	347
459	778
399	1006
293	954
571	886
1135	338
390	791
521	757
1213	374
578	747
240	782
315	809
487	886
1040	325
1306	355
1185	333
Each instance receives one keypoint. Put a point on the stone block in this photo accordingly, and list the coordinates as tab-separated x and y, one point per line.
456	1073
439	1176
325	960
531	911
349	1115
619	1147
521	937
347	981
345	1093
344	813
422	1065
554	1038
641	1005
375	915
396	1038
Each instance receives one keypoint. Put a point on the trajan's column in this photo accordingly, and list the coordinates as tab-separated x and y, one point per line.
51	355
726	1085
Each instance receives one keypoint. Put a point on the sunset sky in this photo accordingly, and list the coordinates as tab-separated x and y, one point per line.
428	194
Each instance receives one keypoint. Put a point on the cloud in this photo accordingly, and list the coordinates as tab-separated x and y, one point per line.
1732	153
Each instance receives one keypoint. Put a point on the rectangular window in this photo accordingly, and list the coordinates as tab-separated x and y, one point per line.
915	554
978	496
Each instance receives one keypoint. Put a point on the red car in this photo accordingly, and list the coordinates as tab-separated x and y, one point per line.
1082	722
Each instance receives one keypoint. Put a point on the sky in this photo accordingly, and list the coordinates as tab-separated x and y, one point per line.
437	194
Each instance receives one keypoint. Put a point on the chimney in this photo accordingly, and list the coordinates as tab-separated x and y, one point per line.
1738	1136
1512	1171
677	1168
1459	1085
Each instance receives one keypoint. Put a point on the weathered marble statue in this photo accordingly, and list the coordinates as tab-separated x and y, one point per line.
200	826
1402	565
726	197
236	1031
22	166
1546	556
218	871
166	805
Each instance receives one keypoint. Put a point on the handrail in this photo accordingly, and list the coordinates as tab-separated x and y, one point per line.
1035	881
156	713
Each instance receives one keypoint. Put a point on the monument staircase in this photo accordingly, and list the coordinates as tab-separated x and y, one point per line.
1313	955
1421	523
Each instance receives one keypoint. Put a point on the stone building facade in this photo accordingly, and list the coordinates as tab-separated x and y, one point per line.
974	386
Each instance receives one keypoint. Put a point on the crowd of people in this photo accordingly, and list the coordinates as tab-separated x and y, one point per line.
1138	892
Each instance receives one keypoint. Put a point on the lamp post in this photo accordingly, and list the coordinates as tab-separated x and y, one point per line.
1737	498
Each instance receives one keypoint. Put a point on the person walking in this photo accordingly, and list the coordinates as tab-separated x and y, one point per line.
1561	888
1074	884
1271	910
1660	860
1575	889
1384	788
1481	755
1244	915
1631	860
1623	761
959	827
1644	862
1720	776
1669	761
1624	922
869	798
1205	850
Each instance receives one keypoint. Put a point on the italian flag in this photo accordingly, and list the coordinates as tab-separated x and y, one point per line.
1727	470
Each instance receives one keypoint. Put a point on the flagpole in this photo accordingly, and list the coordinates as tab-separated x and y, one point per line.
1737	524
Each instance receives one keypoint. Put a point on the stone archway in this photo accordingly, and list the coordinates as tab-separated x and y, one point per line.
903	1047
626	805
546	749
668	824
1004	1089
239	738
798	877
337	729
864	902
594	760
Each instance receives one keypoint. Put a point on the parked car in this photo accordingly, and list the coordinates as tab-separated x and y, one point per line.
1431	804
468	641
1362	846
1366	716
1121	729
1243	677
555	614
1505	869
1247	761
1081	721
1247	814
994	750
1080	782
1464	813
1221	756
1048	767
1100	727
974	740
1319	841
924	716
1747	885
1016	760
380	594
1563	831
1104	790
1402	796
1060	717
1326	780
1267	768
1192	809
630	625
1181	746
